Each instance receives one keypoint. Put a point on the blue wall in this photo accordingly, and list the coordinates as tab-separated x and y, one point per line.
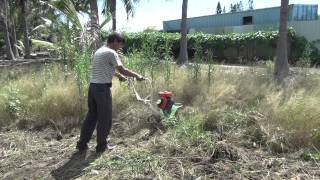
259	17
304	12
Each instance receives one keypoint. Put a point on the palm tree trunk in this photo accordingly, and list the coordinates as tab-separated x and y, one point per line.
183	54
14	38
4	23
94	16
113	10
25	29
281	69
13	31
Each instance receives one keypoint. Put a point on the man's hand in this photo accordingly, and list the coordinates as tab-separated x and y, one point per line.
122	78
124	71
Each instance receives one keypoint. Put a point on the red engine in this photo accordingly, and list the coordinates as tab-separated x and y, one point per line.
166	102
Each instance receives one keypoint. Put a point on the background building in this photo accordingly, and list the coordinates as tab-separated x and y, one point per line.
303	18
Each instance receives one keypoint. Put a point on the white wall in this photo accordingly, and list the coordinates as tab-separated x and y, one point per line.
309	29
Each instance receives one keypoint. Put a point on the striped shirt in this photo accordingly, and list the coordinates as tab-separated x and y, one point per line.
104	63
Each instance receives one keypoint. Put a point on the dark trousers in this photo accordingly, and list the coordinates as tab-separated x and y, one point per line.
99	114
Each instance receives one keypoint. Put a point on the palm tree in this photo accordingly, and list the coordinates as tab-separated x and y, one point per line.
13	29
23	5
183	54
281	69
4	23
69	9
110	6
83	6
94	17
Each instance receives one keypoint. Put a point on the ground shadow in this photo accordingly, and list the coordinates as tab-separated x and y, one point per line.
74	167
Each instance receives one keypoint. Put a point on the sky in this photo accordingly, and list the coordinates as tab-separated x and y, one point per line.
152	13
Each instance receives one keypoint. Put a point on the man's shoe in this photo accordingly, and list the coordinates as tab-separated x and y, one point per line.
110	147
101	148
81	146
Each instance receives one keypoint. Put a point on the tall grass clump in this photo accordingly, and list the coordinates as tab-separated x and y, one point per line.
271	112
185	88
122	98
168	61
48	96
210	61
197	61
294	120
5	109
287	115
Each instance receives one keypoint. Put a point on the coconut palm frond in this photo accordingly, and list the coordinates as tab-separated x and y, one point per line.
68	10
44	44
107	18
130	7
37	28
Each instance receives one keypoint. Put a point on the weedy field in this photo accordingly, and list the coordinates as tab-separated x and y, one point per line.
236	123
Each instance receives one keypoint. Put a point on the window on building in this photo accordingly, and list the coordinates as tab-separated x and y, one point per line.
247	20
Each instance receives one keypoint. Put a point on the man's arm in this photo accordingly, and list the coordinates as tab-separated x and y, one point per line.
120	77
129	73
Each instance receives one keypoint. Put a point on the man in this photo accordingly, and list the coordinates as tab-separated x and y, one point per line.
105	62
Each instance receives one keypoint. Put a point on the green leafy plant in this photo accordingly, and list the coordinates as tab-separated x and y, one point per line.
197	60
14	103
221	44
305	59
210	61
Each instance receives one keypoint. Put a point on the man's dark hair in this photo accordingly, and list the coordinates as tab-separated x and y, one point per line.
115	36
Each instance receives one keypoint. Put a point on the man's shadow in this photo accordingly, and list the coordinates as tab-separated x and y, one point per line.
75	166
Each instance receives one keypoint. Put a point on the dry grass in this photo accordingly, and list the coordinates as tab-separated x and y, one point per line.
4	113
288	115
223	130
46	96
296	117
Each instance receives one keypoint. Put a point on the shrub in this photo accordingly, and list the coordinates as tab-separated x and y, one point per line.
226	48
